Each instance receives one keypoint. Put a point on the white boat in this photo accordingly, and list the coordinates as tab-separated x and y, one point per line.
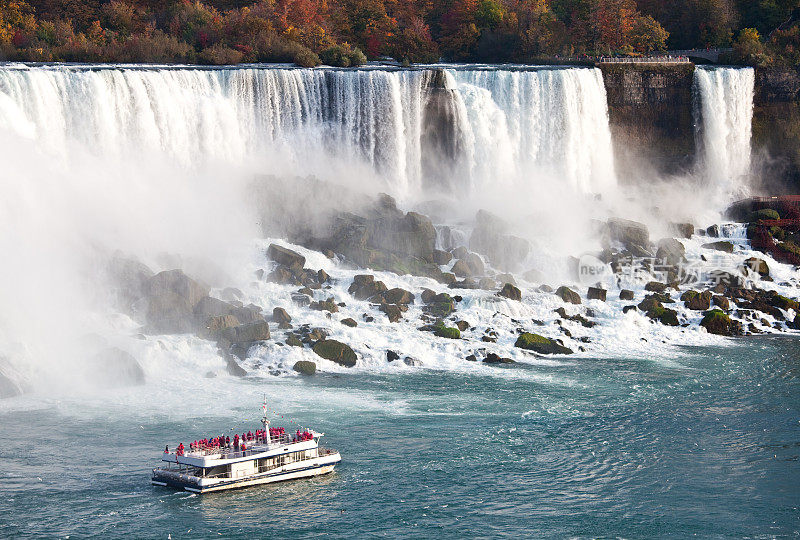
269	456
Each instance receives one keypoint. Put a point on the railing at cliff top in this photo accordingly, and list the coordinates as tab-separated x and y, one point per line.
643	60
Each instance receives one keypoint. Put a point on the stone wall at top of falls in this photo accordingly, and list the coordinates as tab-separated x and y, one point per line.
650	112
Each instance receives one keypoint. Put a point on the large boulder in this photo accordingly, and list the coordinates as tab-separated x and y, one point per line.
246	333
629	233
511	292
335	351
596	293
395	296
129	280
568	295
280	316
286	257
169	313
364	286
114	367
671	251
717	322
757	265
305	367
540	344
177	283
698	301
489	237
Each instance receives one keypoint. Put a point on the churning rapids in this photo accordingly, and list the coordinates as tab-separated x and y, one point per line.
180	167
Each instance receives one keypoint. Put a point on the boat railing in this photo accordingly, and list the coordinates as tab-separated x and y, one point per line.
321	452
230	452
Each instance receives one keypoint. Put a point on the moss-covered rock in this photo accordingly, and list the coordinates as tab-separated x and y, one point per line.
667	317
716	322
447	332
305	367
540	344
293	341
765	213
336	351
568	295
782	302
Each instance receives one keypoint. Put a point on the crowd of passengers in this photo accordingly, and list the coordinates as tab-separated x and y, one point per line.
241	443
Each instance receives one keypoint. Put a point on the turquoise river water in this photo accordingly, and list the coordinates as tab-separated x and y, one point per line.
705	444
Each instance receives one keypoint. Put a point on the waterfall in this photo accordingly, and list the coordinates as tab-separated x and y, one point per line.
723	115
471	129
550	121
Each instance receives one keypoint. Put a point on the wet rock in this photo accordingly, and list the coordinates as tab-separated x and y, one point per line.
493	358
427	295
447	332
286	257
463	326
721	302
461	268
392	312
395	296
178	283
336	351
460	252
626	294
130	278
169	313
301	300
114	367
626	309
233	368
683	230
511	292
487	284
412	362
293	341
671	251
628	233
325	305
666	316
717	322
540	344
215	326
568	295
503	250
246	333
722	245
364	286
506	278
349	322
305	367
596	293
656	286
441	257
391	356
698	301
575	318
757	265
279	315
471	358
726	278
440	306
545	289
713	231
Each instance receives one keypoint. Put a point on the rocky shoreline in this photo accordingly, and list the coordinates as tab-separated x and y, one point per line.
383	238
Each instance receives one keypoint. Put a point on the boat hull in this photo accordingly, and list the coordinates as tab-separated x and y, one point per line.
306	469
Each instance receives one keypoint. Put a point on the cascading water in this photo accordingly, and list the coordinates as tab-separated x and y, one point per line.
723	115
506	126
550	122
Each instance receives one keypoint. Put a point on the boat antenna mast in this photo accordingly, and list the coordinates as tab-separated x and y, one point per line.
264	419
